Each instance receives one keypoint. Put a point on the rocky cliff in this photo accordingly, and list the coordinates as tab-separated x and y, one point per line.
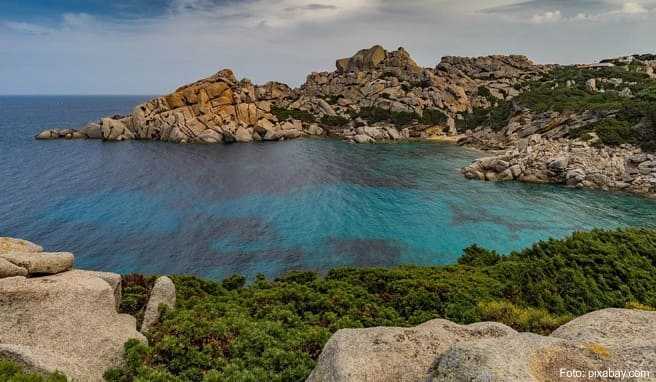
386	90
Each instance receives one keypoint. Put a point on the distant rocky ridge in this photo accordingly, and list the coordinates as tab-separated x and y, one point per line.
56	318
379	95
595	345
222	109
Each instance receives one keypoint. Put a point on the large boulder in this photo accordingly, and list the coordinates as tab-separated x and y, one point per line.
65	322
629	336
8	269
38	263
523	357
393	354
9	244
163	293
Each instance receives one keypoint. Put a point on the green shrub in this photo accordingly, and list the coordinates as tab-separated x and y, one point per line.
432	117
613	132
12	372
283	114
333	121
274	330
234	282
521	319
478	256
134	297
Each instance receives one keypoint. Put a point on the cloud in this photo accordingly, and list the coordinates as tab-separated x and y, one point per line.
24	27
547	17
551	11
632	7
153	51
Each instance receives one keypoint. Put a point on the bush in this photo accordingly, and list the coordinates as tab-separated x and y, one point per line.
333	121
136	291
274	330
432	117
521	319
12	372
478	256
613	132
284	114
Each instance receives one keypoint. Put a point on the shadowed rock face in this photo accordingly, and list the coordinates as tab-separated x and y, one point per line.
439	350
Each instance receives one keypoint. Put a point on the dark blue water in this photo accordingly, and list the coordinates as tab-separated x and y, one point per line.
247	208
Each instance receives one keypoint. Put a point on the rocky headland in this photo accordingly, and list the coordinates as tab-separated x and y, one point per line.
600	117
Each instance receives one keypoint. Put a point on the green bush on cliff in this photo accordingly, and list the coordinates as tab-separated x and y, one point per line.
283	114
375	114
333	121
12	372
274	330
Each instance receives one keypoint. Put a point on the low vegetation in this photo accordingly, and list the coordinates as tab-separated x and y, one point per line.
429	117
626	118
284	114
273	330
12	372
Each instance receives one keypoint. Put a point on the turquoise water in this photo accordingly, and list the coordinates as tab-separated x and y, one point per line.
266	208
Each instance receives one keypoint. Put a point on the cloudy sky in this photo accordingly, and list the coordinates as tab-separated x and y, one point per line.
152	46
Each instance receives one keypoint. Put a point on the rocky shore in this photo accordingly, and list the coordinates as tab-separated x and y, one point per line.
573	163
56	318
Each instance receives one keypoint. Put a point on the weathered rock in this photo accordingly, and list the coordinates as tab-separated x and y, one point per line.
65	322
627	336
361	138
114	281
8	269
393	354
9	244
163	293
41	262
522	357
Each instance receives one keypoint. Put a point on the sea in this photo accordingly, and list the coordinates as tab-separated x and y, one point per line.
271	207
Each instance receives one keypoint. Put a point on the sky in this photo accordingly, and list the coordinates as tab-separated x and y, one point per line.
153	46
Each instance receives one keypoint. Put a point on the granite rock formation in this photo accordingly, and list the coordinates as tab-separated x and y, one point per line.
55	318
573	163
596	344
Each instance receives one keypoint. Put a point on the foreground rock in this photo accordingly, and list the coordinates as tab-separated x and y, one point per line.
597	344
9	244
53	318
572	163
163	293
394	354
65	322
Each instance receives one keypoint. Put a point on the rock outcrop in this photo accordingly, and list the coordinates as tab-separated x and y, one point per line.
163	293
55	318
571	162
213	110
394	354
222	109
599	345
